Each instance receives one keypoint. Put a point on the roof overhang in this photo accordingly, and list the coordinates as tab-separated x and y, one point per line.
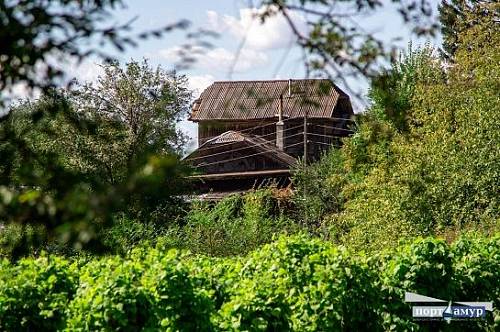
241	175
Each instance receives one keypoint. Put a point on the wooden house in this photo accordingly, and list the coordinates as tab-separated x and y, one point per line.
253	132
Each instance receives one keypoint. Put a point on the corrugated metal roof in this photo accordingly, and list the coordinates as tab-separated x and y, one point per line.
246	100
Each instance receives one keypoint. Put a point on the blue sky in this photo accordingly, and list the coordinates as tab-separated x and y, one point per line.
266	51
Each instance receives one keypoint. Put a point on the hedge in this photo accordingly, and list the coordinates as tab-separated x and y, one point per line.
295	284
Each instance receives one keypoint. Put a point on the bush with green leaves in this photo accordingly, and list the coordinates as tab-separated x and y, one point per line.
301	285
150	290
293	284
17	240
34	293
127	233
235	225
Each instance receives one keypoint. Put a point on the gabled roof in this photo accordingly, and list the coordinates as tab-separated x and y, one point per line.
246	100
262	146
226	137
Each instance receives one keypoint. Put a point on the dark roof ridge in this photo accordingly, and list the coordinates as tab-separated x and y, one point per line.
275	80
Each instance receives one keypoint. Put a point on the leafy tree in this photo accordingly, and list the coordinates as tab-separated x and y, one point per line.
443	177
43	182
88	143
334	178
392	91
58	175
147	102
456	16
423	159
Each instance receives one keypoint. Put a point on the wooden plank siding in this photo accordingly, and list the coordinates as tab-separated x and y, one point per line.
210	129
322	133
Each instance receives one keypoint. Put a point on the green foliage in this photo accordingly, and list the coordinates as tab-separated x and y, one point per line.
431	166
288	286
333	180
68	171
54	161
235	225
127	233
392	91
148	102
61	169
34	293
17	240
293	284
89	144
150	290
339	175
61	30
456	16
445	174
23	24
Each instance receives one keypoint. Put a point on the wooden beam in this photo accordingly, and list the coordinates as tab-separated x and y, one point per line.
239	175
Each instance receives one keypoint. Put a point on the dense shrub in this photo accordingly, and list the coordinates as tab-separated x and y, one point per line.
148	291
127	233
235	225
288	286
294	284
18	240
34	293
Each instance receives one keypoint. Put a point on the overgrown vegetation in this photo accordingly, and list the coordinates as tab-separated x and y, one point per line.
425	159
233	226
294	284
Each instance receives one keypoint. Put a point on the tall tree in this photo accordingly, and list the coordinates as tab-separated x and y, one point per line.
147	101
68	174
43	186
391	91
443	175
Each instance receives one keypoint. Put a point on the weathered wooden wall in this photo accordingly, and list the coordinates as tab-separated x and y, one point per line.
234	158
210	129
322	134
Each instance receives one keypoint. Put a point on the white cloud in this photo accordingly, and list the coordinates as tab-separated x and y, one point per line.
217	59
274	33
198	83
258	38
86	71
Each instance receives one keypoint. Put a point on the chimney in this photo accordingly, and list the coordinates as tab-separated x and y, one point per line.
280	144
